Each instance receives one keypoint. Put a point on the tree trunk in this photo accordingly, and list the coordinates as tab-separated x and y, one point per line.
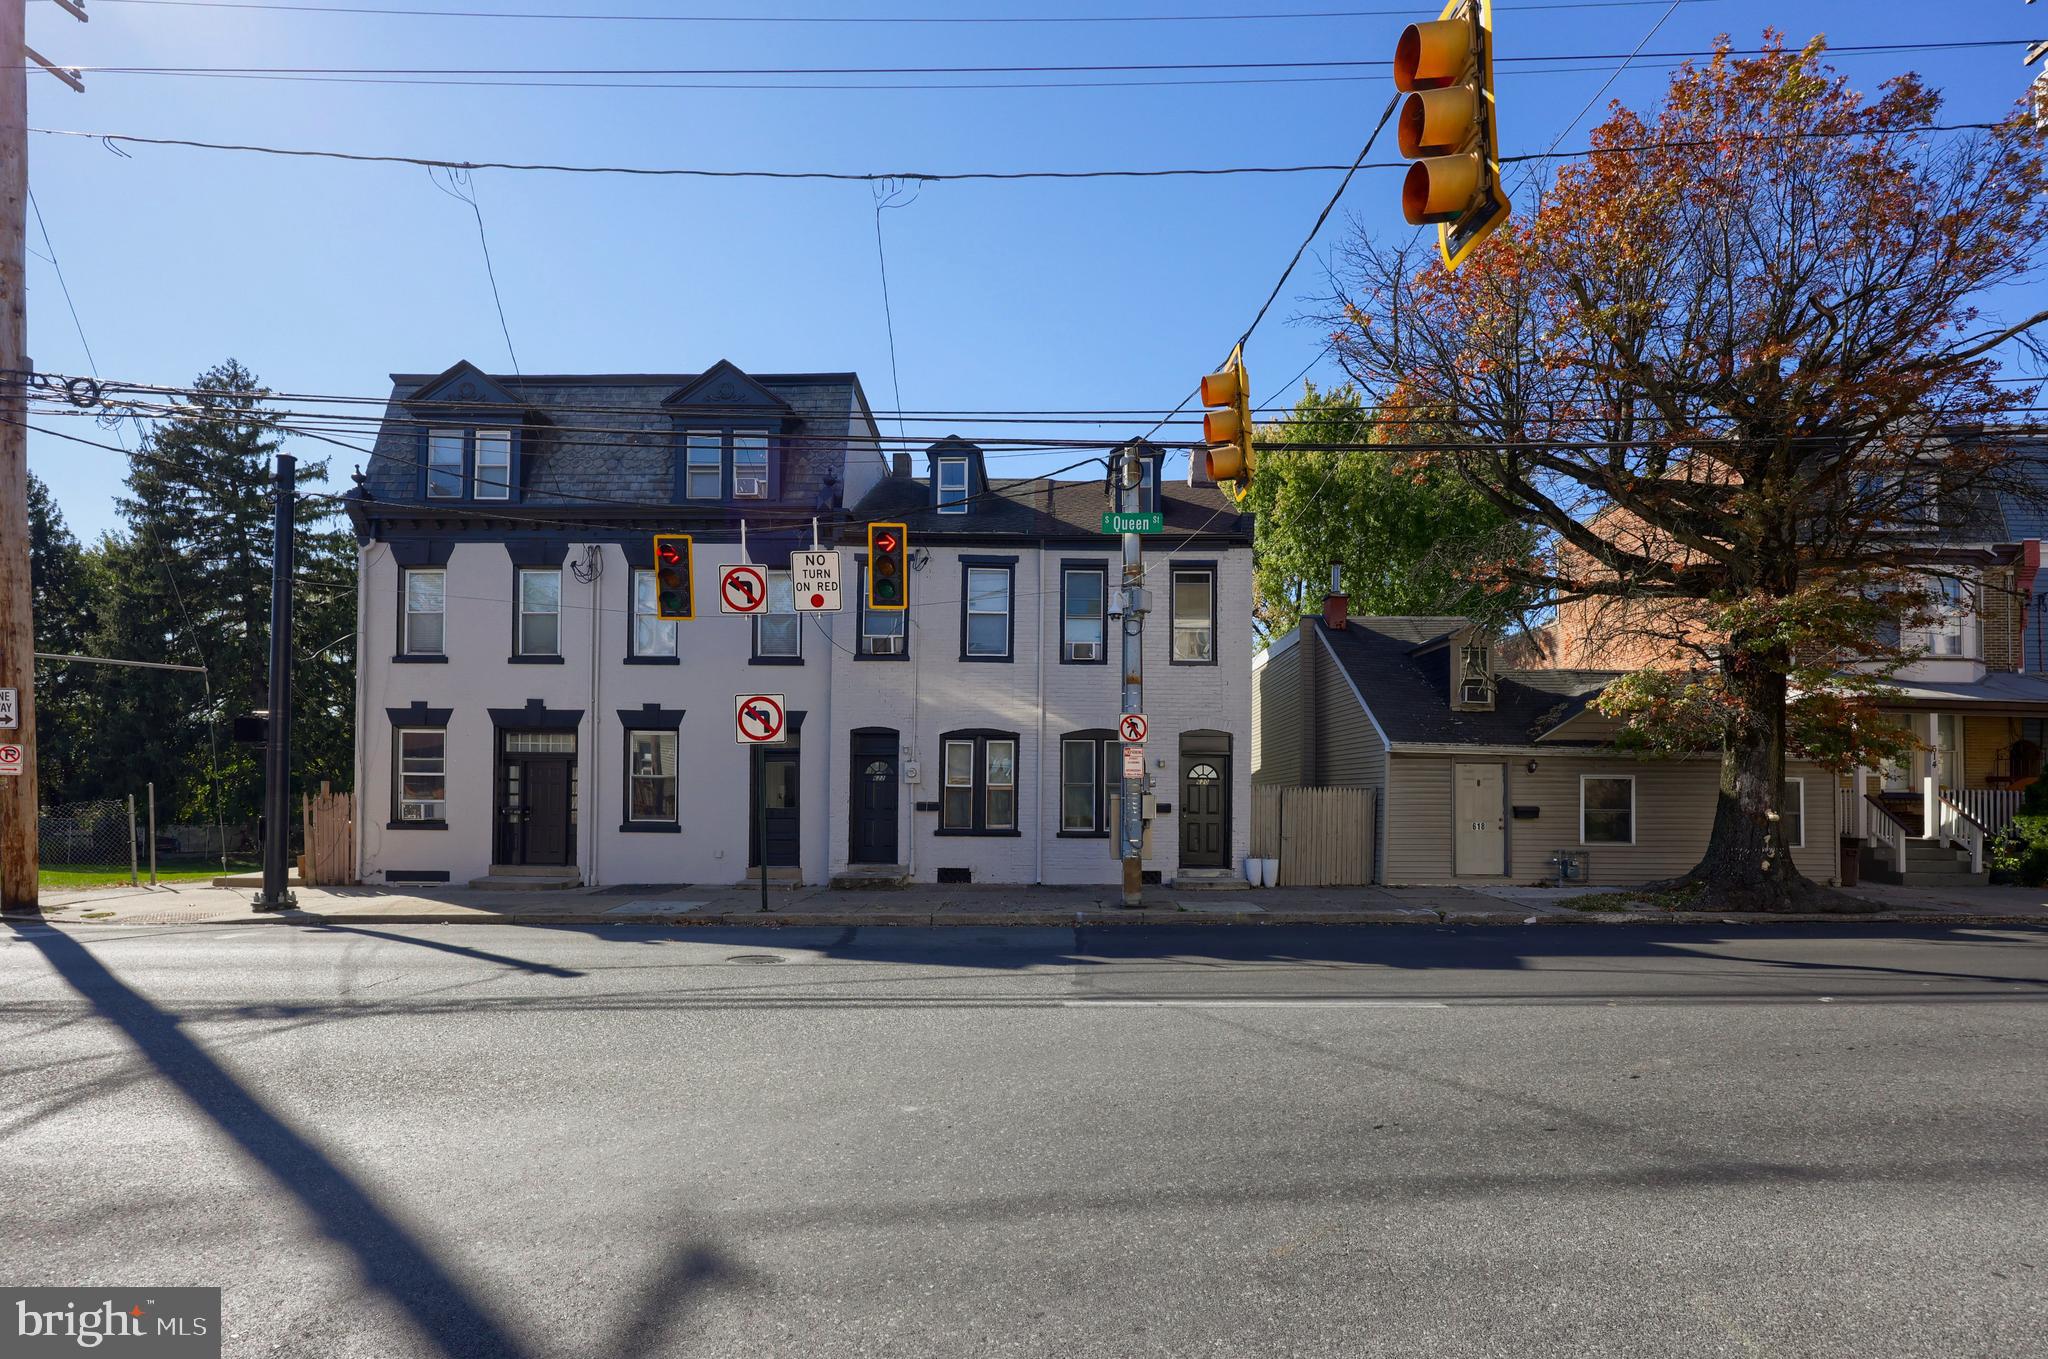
1747	866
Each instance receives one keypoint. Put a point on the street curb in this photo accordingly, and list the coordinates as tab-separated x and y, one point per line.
1151	917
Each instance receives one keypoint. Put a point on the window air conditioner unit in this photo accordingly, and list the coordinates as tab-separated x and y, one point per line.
1084	651
749	488
885	646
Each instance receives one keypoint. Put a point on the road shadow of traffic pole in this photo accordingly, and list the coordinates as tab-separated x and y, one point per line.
388	1258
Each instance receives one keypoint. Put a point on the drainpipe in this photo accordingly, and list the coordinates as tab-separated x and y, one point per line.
1038	759
593	796
363	564
2023	589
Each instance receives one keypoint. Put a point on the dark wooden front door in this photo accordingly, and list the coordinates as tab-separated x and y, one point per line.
874	799
533	810
1205	811
780	769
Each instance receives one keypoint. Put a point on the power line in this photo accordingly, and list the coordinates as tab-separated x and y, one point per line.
1071	68
791	19
933	177
461	187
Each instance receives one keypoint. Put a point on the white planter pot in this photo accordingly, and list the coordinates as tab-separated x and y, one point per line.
1251	870
1269	872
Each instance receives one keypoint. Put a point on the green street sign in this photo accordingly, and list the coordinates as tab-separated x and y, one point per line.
1155	522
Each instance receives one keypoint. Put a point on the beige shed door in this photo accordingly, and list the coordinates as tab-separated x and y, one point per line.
1482	842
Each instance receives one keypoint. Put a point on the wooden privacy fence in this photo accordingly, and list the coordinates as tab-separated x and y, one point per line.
1321	836
329	821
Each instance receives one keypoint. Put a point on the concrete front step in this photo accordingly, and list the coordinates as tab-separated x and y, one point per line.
879	877
526	880
1208	880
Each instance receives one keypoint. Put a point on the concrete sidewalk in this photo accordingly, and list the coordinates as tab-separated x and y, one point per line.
196	904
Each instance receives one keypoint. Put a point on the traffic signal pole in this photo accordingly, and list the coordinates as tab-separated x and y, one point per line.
1131	823
277	752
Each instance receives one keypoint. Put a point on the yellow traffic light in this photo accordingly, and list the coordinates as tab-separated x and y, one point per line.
674	587
1227	427
1449	129
888	566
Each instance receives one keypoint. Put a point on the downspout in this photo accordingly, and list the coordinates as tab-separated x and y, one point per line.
362	724
594	795
2023	586
1038	759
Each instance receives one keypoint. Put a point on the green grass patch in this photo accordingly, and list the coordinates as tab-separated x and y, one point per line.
74	877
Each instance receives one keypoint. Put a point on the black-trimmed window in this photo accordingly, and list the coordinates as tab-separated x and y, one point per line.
779	628
425	592
1194	615
444	464
1084	593
952	485
987	608
1087	802
704	464
651	635
978	783
749	466
651	777
492	477
884	633
540	611
419	776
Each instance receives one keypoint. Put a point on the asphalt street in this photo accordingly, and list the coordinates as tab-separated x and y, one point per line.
618	1142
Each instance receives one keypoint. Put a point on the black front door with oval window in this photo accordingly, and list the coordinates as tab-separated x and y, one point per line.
874	798
1205	811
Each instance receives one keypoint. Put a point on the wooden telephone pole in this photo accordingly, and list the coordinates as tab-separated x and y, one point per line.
18	800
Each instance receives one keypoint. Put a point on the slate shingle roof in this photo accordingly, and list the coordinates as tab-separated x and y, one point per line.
624	451
1036	507
1412	703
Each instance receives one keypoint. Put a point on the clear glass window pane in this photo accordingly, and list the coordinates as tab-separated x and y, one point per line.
444	464
1002	763
952	485
540	607
988	611
652	762
750	459
493	464
1193	634
780	632
1610	815
959	764
425	602
704	468
1078	766
1083	609
422	775
1792	812
651	635
878	623
957	812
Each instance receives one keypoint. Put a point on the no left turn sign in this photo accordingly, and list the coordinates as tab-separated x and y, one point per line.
742	589
1132	728
759	719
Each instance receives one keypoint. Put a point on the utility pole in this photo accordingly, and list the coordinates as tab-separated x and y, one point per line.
1131	824
19	801
277	751
18	809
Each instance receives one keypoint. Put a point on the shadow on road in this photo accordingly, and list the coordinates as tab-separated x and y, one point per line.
388	1258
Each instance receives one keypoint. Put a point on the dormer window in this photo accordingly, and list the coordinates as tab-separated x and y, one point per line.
1148	485
749	466
952	485
493	479
444	464
704	464
1475	682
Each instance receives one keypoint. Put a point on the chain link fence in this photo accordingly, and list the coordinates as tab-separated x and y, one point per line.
88	836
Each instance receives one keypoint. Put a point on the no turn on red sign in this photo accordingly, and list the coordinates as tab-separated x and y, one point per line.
760	720
814	580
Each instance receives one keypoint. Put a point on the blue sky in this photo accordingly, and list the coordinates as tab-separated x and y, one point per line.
325	277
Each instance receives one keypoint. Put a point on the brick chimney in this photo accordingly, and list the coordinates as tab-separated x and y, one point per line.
900	465
1336	604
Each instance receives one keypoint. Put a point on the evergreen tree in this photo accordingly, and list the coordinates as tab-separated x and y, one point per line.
64	594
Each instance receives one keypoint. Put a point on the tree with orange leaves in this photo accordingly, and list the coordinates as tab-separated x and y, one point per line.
1730	354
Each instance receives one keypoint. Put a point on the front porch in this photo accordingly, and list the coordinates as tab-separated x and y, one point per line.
1930	820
